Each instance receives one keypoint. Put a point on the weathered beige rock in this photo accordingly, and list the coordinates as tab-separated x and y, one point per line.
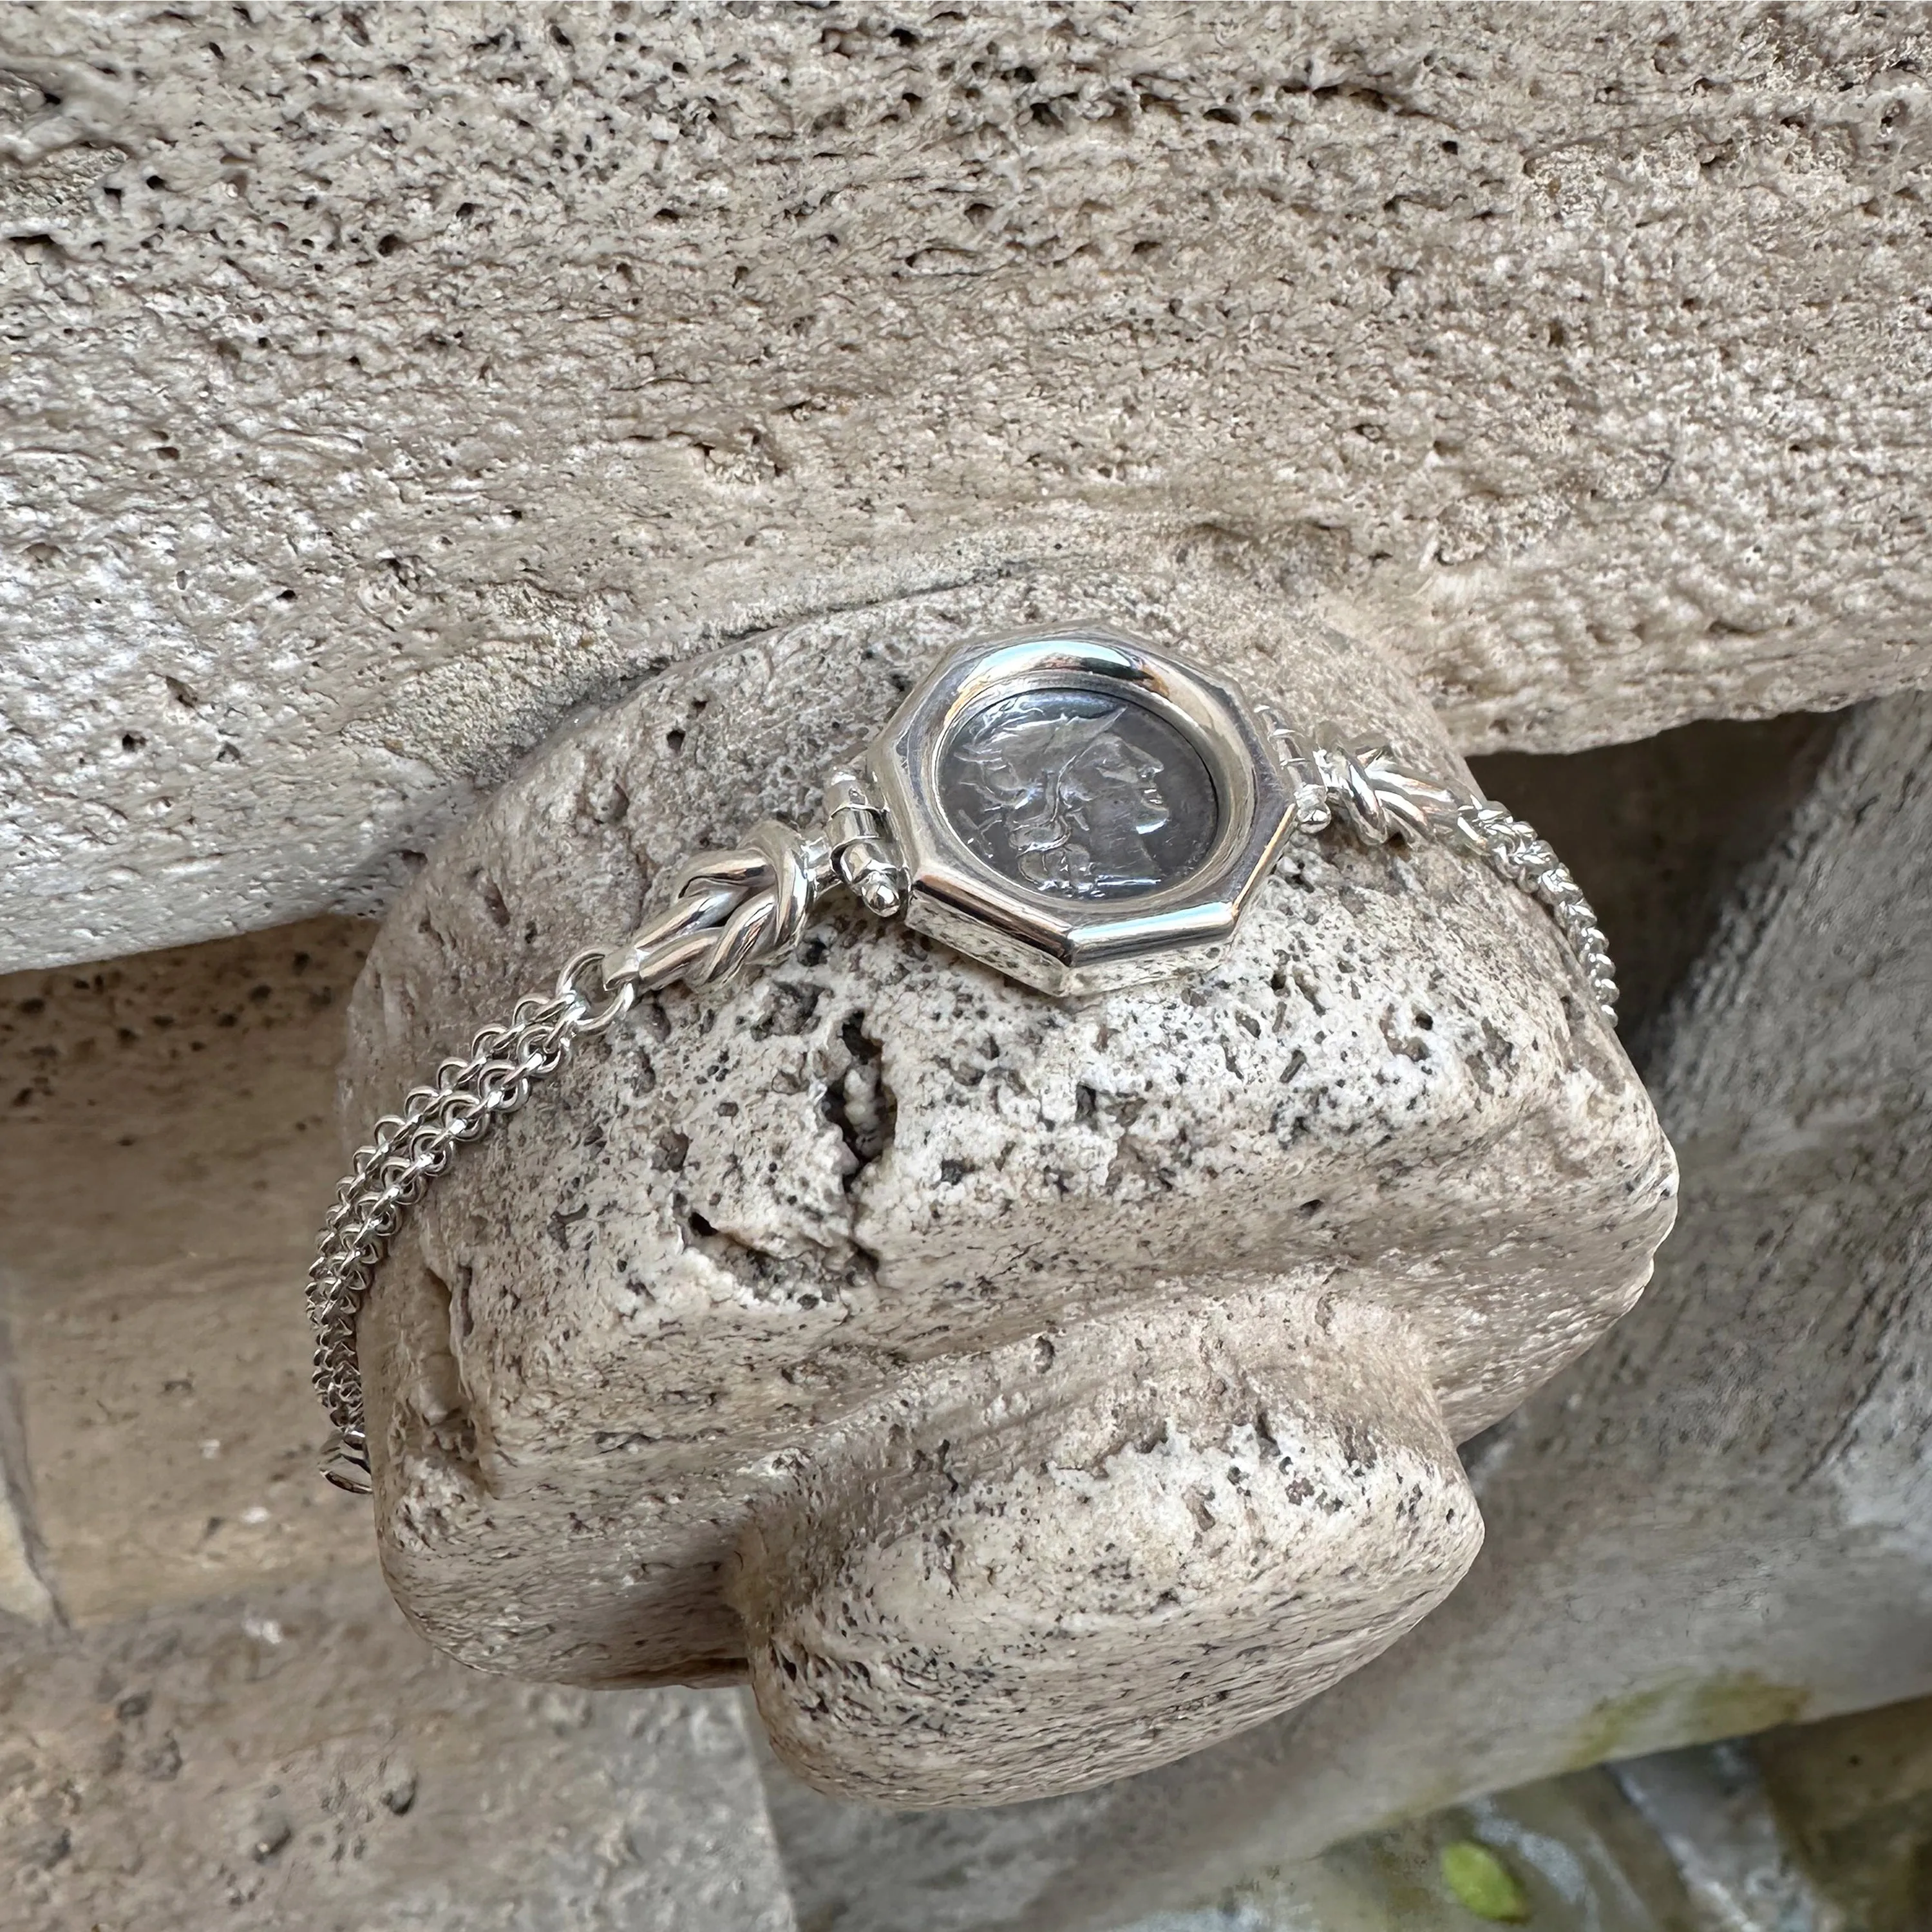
1026	1391
1064	1558
167	1150
1651	829
243	1729
1643	824
384	382
297	1760
1713	1523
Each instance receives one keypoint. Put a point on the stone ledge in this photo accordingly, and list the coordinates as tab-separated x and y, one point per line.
1554	348
167	1149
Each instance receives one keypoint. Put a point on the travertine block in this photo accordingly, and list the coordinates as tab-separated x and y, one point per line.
296	1760
942	1351
384	382
166	1150
220	1740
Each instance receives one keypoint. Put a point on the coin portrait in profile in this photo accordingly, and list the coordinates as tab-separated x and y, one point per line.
1080	794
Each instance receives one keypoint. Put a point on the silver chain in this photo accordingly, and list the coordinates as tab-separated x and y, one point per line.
729	911
1379	799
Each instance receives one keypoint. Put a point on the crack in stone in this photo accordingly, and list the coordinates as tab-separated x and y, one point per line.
859	1104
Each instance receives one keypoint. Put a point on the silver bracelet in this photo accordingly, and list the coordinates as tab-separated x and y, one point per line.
1074	808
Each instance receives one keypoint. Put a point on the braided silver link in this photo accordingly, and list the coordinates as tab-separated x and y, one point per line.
1379	799
729	910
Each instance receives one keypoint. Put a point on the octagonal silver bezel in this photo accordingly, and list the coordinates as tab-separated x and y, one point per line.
1071	946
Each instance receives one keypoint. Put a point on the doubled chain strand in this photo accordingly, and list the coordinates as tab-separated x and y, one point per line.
729	910
732	910
1364	786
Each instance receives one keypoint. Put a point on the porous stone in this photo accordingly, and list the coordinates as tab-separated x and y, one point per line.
130	1119
297	1759
166	1152
945	1354
1713	1523
381	383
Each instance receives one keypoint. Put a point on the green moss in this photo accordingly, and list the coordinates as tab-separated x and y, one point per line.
1608	1730
1726	1707
1684	1710
1480	1882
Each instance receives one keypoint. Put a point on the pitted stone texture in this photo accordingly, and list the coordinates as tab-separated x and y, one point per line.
384	382
1716	1522
166	1155
749	1226
1200	1497
297	1761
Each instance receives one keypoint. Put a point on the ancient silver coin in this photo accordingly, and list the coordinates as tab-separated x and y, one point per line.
1081	794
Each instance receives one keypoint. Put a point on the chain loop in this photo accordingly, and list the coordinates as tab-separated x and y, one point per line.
728	911
621	994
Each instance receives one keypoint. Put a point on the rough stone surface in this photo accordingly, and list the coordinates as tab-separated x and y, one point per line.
385	381
1715	1523
1088	1550
298	1761
1670	809
759	1329
288	1757
167	1150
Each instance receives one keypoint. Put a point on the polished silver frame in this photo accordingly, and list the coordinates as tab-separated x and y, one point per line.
1066	946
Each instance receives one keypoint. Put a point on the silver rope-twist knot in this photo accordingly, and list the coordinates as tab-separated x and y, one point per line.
1378	798
728	910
